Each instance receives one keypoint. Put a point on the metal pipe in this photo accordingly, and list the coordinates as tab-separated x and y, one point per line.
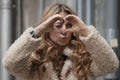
79	5
111	19
19	18
88	12
111	31
5	32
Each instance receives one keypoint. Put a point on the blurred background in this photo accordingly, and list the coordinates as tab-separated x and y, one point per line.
17	15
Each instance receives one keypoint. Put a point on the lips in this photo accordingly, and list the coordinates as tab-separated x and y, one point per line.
62	36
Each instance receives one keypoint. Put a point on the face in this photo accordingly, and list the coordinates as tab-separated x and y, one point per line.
60	36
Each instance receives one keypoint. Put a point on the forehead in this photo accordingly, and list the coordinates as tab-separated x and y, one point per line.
63	14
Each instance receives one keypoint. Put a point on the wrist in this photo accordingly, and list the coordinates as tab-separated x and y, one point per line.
85	32
37	31
33	34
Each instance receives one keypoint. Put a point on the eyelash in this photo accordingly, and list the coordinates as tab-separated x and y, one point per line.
68	25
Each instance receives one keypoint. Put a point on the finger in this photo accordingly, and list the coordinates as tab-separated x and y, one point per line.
70	17
70	30
48	24
74	19
54	18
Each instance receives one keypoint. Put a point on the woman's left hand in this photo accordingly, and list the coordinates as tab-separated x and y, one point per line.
78	25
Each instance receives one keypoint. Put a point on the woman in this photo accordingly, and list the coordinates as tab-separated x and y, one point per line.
62	47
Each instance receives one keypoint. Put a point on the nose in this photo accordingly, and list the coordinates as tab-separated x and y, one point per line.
63	28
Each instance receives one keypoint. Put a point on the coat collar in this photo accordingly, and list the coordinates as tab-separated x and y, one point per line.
66	67
68	52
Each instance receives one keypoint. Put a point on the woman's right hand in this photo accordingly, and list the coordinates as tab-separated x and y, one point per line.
47	25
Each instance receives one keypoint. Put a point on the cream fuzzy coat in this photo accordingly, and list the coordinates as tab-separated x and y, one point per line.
16	58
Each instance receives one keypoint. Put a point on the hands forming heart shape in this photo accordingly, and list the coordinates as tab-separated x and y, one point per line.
72	22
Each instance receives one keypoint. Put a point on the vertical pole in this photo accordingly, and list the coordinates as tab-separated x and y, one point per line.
79	9
5	32
88	12
19	18
111	31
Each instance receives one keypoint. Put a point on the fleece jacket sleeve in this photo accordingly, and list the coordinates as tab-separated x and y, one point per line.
16	58
104	59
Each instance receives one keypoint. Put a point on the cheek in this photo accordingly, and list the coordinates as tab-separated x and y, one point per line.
70	35
53	36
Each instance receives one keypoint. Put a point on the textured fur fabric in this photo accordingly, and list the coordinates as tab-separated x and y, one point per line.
16	58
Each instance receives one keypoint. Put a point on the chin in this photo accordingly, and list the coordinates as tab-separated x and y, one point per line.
63	45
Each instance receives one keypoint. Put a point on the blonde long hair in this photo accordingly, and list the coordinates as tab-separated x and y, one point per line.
48	51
